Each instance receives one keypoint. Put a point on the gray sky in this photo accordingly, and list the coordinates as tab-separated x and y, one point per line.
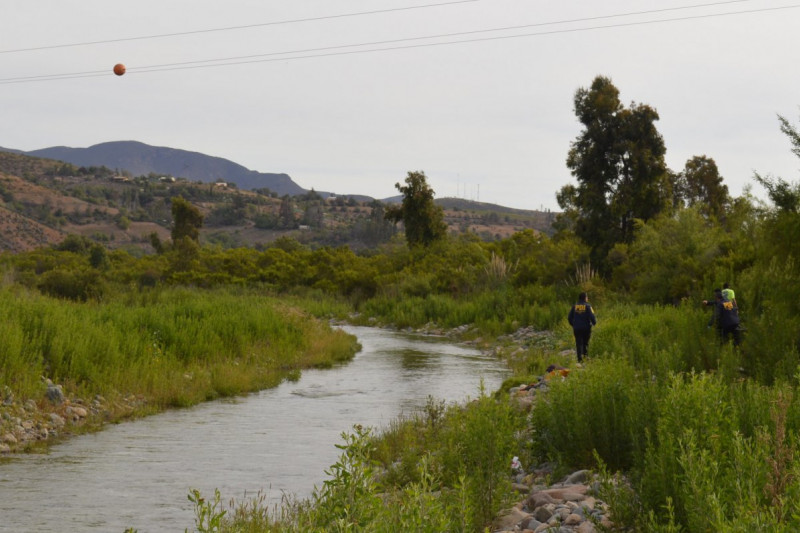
490	119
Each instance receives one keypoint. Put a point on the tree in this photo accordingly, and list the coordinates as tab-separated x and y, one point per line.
701	185
674	257
286	213
785	195
422	218
618	161
186	220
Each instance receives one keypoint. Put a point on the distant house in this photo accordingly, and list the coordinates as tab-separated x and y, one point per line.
221	185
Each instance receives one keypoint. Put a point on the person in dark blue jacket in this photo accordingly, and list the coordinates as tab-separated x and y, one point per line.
725	316
581	318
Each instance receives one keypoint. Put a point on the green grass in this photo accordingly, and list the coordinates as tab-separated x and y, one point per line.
174	347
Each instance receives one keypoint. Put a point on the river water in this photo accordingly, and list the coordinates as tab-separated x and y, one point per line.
138	474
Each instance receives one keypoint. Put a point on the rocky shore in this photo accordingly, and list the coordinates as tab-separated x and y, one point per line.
27	423
563	507
569	505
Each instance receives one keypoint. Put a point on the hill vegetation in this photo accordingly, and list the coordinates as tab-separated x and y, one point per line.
45	200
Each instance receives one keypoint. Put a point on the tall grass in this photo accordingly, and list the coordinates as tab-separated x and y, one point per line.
706	435
174	347
493	312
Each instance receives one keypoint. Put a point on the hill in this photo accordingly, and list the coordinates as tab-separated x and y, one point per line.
44	200
141	159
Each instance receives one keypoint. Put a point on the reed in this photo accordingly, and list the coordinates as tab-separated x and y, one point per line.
173	347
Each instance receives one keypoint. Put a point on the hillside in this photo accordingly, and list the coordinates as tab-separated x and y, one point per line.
139	159
44	200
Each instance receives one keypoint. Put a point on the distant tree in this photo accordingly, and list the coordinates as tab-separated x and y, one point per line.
422	218
265	221
75	243
374	228
186	220
313	215
155	242
701	185
286	213
618	161
98	256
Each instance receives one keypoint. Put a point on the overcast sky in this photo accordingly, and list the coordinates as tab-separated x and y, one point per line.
488	118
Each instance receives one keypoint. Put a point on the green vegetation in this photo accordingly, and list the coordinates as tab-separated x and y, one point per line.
423	219
689	434
173	347
452	477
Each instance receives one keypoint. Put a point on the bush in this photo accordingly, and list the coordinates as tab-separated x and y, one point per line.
81	285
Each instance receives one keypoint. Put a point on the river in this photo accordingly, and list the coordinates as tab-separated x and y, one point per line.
138	474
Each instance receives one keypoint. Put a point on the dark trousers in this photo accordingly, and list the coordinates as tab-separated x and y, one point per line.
731	331
582	342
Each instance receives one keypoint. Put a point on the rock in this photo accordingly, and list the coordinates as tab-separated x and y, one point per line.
4	448
586	527
573	520
508	519
588	504
538	499
8	438
30	405
75	412
542	514
55	394
529	524
56	420
573	493
579	477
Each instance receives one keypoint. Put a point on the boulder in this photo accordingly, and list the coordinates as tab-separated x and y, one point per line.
538	499
55	394
508	519
581	476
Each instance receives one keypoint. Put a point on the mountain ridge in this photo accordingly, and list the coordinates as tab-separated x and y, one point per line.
139	158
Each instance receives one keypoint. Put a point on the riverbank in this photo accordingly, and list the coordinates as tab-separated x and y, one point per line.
33	424
570	504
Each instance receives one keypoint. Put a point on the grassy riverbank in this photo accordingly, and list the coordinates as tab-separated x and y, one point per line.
690	434
144	351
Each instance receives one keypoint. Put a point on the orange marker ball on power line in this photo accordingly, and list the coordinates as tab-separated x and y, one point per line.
119	69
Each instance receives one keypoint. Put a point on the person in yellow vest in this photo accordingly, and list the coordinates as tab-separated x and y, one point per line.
581	318
729	295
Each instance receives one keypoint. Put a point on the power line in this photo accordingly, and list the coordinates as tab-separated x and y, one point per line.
230	28
264	58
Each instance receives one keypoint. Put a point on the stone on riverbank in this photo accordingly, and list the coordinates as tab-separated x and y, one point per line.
566	506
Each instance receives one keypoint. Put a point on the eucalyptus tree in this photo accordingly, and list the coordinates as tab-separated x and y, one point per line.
618	162
422	219
701	185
